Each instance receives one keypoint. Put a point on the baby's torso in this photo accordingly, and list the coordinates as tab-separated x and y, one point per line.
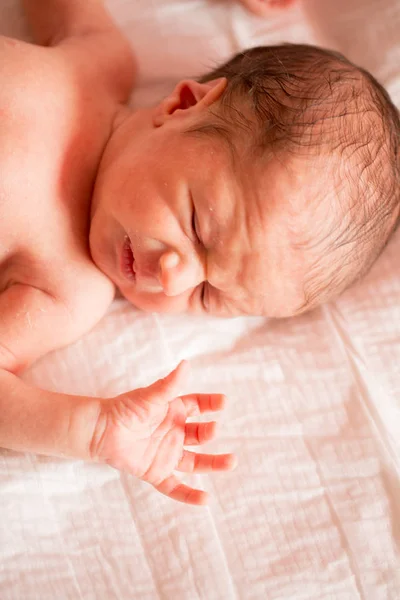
52	134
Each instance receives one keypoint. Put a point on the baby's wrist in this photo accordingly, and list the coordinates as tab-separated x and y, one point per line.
97	432
84	421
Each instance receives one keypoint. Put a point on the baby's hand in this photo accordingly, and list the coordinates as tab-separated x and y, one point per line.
144	433
262	7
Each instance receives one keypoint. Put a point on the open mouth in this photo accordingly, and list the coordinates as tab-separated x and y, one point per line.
128	261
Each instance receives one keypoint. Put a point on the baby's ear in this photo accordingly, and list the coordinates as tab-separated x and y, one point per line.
188	95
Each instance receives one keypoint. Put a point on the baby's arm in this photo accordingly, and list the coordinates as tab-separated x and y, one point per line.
142	432
32	323
42	422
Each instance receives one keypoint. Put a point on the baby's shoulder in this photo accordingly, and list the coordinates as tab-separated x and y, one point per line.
34	93
24	67
101	61
41	81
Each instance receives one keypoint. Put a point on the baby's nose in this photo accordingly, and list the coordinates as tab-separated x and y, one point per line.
179	274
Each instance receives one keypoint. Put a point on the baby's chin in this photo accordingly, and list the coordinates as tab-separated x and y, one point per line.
152	303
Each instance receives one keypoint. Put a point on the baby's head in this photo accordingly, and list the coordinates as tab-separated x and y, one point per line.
267	187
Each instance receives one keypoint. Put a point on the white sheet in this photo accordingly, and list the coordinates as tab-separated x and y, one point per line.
313	510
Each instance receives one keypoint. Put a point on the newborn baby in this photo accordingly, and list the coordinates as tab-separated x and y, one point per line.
266	187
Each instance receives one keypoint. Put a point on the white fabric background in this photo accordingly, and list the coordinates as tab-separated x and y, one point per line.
313	510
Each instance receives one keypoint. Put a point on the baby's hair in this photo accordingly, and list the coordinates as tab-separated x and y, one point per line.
300	99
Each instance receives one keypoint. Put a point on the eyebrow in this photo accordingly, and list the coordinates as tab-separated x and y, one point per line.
219	132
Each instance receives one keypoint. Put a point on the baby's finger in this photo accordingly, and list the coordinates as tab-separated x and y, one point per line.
176	490
199	433
192	462
166	389
202	403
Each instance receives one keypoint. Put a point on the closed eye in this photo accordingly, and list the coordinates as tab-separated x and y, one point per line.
195	227
204	286
205	296
195	221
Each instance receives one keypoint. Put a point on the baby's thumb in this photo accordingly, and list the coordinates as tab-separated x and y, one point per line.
166	389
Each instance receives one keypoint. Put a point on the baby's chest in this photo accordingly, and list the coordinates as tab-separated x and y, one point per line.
44	224
49	150
45	192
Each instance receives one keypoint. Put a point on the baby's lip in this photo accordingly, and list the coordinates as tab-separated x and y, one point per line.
144	280
127	260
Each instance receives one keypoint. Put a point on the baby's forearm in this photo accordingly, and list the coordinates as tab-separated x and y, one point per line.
53	20
35	420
